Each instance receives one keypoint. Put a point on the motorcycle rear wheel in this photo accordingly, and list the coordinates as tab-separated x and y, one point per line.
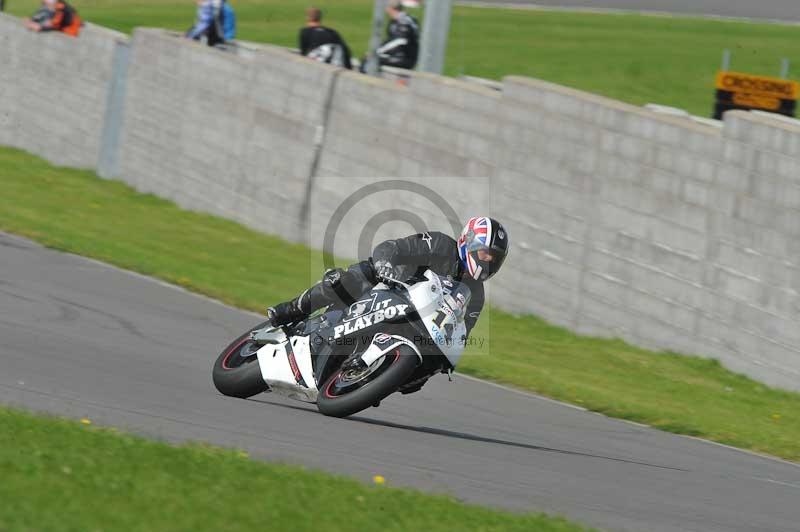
236	371
342	396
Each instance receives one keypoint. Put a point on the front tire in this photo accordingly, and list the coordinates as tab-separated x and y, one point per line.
337	399
236	371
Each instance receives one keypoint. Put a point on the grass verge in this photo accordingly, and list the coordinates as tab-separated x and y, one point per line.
105	480
75	211
634	58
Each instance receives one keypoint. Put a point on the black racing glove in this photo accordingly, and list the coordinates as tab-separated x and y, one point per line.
384	271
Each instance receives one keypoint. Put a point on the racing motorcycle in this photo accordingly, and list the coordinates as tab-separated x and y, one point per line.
348	358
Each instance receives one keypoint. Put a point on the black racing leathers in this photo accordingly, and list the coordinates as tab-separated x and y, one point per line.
401	47
324	45
406	257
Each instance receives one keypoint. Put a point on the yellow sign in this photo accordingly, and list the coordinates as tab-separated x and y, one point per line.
758	102
758	86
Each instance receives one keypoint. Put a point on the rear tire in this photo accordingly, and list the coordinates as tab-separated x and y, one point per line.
332	403
235	375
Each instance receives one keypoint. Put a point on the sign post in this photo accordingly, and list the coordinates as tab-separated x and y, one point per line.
736	90
372	67
435	29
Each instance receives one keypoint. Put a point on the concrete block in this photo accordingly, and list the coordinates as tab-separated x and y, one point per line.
778	245
629	195
734	178
681	213
739	286
614	319
662	181
736	230
788	167
673	236
682	265
766	214
783	301
622	219
636	150
669	134
668	285
555	268
609	266
608	288
746	261
697	193
738	154
664	311
762	322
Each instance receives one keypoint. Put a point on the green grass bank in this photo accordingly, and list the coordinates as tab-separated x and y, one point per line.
634	58
62	476
75	211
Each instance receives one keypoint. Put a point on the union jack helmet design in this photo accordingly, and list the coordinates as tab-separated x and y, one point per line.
482	247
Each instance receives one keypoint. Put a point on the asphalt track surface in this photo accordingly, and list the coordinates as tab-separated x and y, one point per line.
79	338
776	10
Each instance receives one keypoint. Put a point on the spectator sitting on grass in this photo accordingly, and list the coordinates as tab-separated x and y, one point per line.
55	15
209	23
323	44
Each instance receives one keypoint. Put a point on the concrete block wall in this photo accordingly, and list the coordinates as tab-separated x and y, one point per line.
666	232
233	135
53	91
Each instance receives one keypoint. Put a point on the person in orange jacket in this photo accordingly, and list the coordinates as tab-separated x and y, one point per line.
65	19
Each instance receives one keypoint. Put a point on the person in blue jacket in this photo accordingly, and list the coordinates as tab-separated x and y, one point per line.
228	22
211	23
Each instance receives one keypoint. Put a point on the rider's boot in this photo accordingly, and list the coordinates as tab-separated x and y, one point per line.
298	308
336	286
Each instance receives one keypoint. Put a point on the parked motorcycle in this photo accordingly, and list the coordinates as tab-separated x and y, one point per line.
346	359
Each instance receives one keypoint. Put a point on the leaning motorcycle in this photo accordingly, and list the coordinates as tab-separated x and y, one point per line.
348	358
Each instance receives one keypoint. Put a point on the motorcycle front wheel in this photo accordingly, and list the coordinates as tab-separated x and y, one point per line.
352	389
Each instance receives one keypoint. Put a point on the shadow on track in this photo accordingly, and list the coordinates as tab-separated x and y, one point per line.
470	437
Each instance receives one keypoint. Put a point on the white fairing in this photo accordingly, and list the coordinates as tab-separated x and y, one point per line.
276	369
438	311
382	344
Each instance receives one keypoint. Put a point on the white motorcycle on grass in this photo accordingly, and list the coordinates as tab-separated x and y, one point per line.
394	338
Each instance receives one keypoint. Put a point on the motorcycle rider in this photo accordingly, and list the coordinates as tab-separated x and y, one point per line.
476	256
